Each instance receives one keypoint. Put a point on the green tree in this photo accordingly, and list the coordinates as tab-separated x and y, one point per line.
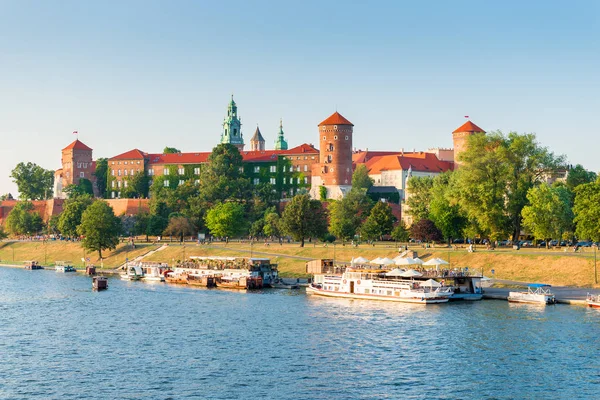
379	222
578	175
322	193
272	224
33	181
141	224
548	215
226	219
400	232
3	234
361	178
444	213
179	226
84	187
347	214
101	174
587	211
23	219
257	227
418	196
171	150
6	196
221	178
137	186
304	218
425	230
70	218
99	227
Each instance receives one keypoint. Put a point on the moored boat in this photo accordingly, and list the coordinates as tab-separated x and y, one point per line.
242	282
32	265
201	280
176	277
375	285
537	293
99	283
153	273
64	266
132	273
593	300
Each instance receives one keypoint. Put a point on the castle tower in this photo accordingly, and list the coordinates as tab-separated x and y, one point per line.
232	127
77	163
334	170
257	143
280	143
460	138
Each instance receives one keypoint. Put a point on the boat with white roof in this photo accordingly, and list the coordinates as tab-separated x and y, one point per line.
537	293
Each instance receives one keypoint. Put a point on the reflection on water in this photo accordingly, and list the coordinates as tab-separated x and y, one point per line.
59	339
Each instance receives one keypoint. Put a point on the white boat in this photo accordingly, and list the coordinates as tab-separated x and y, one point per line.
133	273
153	273
374	285
537	293
64	266
593	300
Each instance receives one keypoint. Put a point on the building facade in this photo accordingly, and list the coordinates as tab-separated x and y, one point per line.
76	164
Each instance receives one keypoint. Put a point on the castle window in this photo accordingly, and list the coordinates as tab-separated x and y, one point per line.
125	172
119	172
235	132
119	184
225	131
150	172
125	163
335	127
273	168
112	172
112	194
197	170
324	137
257	169
305	180
166	183
138	162
181	181
331	169
82	175
113	184
181	171
256	181
272	181
305	168
346	137
125	183
197	181
166	171
335	137
285	180
298	168
131	172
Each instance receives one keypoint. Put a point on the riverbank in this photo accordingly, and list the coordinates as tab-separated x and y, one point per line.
554	267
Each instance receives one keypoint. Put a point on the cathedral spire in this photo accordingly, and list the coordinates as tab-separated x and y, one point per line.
232	127
280	143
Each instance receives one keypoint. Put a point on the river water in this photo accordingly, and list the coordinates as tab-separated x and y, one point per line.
61	340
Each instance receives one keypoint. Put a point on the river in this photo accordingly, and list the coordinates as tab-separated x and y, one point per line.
61	340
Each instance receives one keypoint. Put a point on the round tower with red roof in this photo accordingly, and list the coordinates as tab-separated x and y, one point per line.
334	170
460	137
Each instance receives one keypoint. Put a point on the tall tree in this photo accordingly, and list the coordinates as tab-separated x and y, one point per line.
101	174
226	219
99	227
347	214
578	175
137	186
221	178
272	226
361	178
70	218
33	181
445	214
84	187
179	226
3	234
400	232
379	222
23	219
587	211
548	215
171	150
425	230
418	196
304	218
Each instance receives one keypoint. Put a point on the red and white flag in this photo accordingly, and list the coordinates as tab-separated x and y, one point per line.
75	132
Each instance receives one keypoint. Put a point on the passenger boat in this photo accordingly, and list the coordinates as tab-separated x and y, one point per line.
464	286
242	282
132	273
64	266
153	273
99	283
537	293
32	265
593	300
176	277
375	285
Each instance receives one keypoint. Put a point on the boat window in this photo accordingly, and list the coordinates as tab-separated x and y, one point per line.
367	291
389	292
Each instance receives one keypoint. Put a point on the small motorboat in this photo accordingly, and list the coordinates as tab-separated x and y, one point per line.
537	293
593	300
134	273
99	283
64	266
280	284
32	265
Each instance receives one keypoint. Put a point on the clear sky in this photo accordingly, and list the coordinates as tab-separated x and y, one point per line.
149	74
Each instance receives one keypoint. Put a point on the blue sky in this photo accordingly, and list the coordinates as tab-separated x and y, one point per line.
147	74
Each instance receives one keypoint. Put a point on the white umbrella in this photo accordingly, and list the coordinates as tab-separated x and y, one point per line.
361	260
436	261
395	272
405	261
387	261
430	283
418	261
376	261
410	273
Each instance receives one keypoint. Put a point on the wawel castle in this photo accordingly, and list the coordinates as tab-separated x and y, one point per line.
288	169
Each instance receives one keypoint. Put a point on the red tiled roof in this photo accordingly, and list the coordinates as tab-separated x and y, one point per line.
179	158
336	119
361	157
303	148
469	127
422	162
131	154
77	145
